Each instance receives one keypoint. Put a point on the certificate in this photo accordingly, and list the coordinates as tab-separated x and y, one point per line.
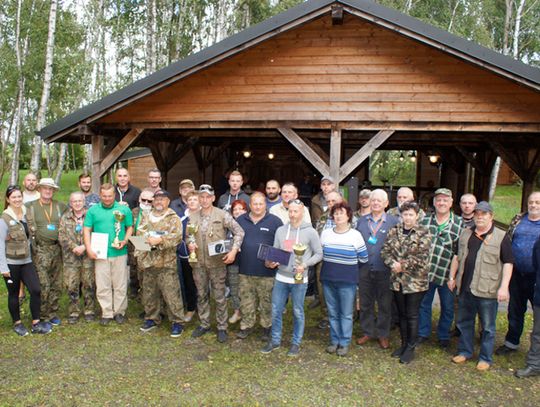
99	243
273	254
140	243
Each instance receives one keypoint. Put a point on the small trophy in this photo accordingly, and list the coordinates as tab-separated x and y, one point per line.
119	216
192	229
299	249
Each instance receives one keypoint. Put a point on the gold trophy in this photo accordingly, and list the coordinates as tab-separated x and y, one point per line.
299	249
119	216
192	229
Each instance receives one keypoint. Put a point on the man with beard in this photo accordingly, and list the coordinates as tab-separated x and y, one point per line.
85	185
30	192
273	191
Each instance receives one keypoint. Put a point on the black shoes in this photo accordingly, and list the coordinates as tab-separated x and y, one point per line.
504	350
527	372
244	333
120	319
200	331
222	336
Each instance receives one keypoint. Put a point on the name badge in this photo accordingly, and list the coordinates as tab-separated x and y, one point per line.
78	229
372	240
51	227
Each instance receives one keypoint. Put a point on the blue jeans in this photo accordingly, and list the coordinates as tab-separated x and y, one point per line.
447	312
468	306
340	303
280	293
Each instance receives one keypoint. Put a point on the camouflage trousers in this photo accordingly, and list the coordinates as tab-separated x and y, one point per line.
164	282
48	262
253	288
206	280
80	277
234	285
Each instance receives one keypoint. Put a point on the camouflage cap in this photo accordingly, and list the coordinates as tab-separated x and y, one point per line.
443	191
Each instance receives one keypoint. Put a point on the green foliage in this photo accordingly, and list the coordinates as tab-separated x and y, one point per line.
392	168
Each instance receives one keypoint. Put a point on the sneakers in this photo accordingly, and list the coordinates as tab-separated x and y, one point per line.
55	321
148	325
176	329
105	321
483	366
504	350
459	359
235	317
200	331
266	332
222	336
269	347
120	319
342	351
73	319
41	327
244	333
294	350
331	348
20	329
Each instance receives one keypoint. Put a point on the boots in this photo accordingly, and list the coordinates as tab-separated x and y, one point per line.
403	333
408	354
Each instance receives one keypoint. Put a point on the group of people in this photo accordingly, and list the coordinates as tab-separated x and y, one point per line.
259	250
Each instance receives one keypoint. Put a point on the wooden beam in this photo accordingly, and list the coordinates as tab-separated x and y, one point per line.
471	159
304	149
119	149
216	152
97	157
318	149
335	154
361	155
518	167
176	155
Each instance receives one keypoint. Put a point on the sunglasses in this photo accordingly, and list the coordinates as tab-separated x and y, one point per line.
12	188
147	200
296	202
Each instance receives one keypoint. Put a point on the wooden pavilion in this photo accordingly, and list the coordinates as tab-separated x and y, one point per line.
336	80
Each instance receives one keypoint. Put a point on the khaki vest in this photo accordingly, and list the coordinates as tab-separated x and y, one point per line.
216	231
487	275
17	243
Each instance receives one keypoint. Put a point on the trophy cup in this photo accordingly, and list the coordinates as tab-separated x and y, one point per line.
192	229
299	249
119	216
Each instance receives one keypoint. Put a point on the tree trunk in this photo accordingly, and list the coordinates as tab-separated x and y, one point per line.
61	162
150	36
35	163
517	28
14	177
507	26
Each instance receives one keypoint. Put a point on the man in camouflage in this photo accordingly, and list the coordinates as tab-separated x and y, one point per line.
43	220
256	280
78	268
209	272
163	231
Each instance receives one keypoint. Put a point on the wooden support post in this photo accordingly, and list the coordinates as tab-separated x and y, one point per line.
303	148
119	149
361	155
335	154
97	157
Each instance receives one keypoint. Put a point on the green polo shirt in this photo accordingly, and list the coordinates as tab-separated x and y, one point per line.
101	219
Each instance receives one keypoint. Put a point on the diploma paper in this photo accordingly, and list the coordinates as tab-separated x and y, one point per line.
99	243
140	243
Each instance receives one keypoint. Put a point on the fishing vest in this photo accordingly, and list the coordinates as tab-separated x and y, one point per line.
17	247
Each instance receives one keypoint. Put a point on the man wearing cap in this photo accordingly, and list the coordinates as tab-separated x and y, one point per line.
363	203
318	202
481	273
234	192
30	192
445	228
79	273
43	221
523	231
289	193
273	191
125	193
467	203
112	272
85	185
404	194
179	205
209	272
163	231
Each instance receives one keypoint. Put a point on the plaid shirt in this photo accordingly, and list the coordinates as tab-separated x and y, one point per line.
444	247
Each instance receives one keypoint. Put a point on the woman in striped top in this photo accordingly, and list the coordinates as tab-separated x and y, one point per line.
343	250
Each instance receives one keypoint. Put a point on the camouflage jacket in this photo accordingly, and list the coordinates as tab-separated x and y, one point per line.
169	228
514	223
413	252
70	235
324	222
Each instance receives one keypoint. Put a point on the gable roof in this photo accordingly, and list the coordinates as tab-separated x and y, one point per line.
380	15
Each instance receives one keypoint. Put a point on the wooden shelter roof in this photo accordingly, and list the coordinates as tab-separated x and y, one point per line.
63	129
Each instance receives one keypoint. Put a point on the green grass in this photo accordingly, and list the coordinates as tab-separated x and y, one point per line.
88	364
507	202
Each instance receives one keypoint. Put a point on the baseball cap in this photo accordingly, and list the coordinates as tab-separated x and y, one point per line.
327	178
188	182
483	206
161	193
443	191
205	188
365	193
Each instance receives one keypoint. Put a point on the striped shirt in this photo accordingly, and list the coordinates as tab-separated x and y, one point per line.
342	253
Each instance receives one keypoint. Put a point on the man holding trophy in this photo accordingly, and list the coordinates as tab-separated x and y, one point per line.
210	252
302	241
107	228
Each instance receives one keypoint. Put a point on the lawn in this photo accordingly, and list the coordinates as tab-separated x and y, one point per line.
88	364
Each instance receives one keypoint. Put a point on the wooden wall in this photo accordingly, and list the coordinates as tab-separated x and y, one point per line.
352	72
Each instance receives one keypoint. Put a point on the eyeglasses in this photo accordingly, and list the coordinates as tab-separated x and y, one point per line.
147	200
